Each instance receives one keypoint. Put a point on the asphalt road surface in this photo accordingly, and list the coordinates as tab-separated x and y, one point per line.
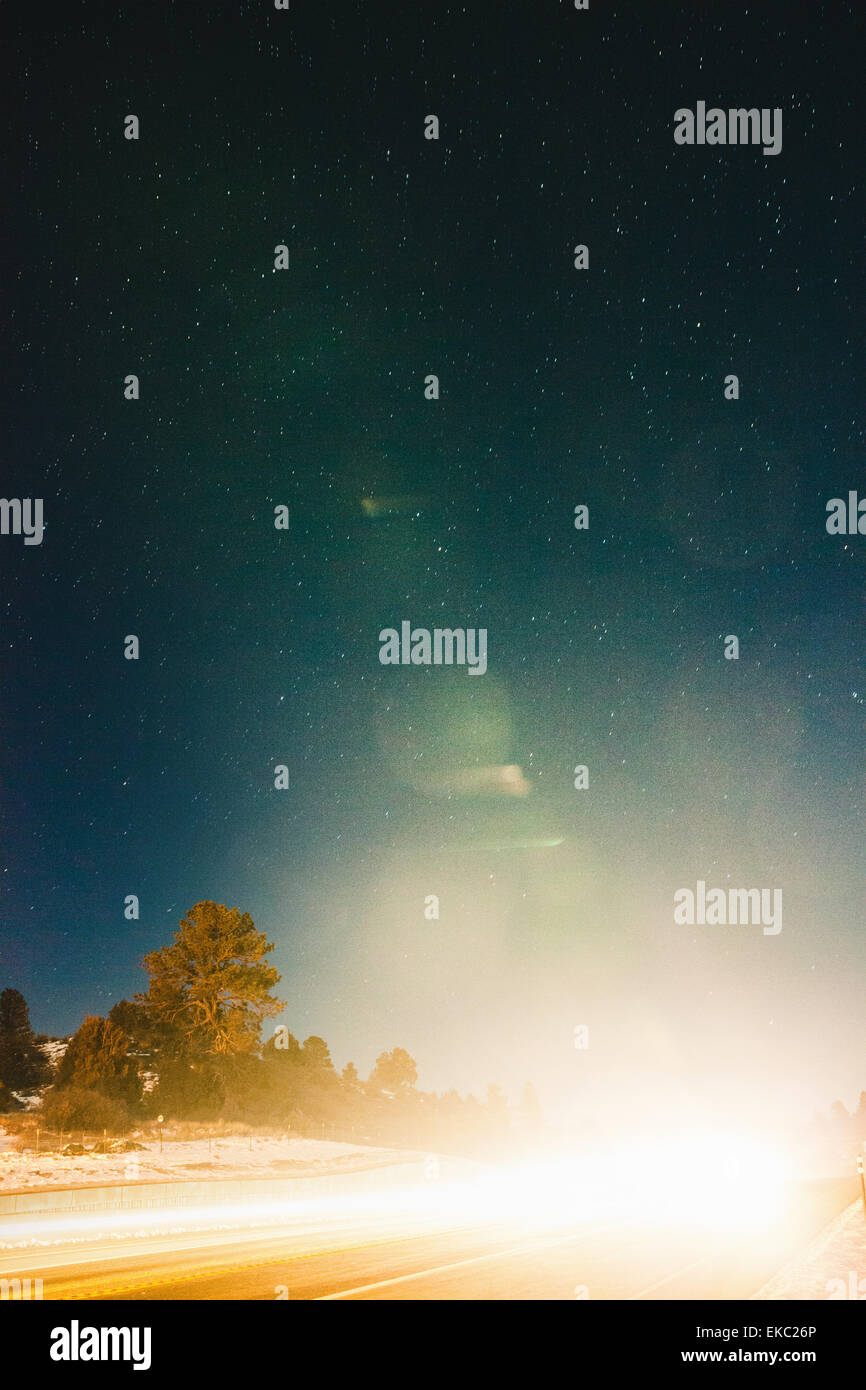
381	1260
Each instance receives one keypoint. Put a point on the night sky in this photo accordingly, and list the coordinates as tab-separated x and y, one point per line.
559	387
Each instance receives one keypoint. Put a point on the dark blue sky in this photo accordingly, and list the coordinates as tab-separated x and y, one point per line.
558	387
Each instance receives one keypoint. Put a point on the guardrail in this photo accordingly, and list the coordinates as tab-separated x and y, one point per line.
17	1207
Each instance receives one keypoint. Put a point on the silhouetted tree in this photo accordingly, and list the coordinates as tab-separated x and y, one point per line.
394	1071
134	1020
316	1054
97	1059
839	1114
22	1065
188	1090
529	1111
497	1103
283	1043
8	1103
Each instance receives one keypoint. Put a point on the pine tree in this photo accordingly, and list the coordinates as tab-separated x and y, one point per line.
97	1059
188	1090
316	1054
8	1103
22	1064
394	1071
210	990
133	1020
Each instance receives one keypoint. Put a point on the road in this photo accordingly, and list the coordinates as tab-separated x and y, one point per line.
378	1259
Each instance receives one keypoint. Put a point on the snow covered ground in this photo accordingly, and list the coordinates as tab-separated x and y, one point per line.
224	1157
832	1267
54	1051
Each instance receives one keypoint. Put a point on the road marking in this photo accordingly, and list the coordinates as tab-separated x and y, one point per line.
182	1276
684	1269
138	1285
462	1264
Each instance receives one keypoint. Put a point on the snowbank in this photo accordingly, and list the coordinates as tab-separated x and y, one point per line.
224	1157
